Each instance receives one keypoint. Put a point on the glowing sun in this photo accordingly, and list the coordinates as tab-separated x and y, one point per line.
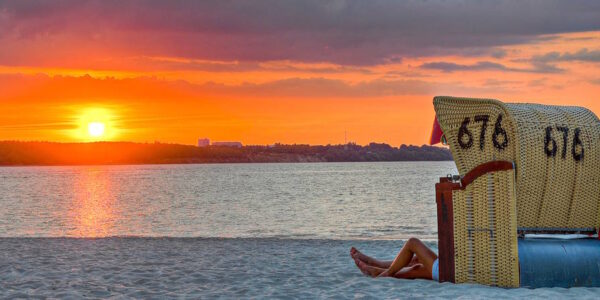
95	124
96	129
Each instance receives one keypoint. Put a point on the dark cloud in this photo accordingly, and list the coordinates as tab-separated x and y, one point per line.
546	63
344	32
538	67
451	67
498	53
583	55
543	67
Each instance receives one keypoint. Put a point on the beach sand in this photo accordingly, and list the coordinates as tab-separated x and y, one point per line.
218	268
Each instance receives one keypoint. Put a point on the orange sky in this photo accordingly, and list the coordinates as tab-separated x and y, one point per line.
273	79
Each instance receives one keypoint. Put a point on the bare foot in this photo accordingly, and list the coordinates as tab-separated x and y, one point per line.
383	274
365	258
366	269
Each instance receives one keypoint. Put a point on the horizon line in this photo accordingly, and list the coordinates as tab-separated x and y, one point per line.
194	145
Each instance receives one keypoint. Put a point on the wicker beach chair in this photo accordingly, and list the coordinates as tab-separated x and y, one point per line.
524	168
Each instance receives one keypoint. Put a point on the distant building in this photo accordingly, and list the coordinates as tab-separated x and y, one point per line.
203	142
228	144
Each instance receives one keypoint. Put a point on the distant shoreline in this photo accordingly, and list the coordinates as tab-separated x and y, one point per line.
211	163
13	153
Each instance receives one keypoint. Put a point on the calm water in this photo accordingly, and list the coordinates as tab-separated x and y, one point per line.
329	200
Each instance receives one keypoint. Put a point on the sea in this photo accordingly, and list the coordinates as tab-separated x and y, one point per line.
231	231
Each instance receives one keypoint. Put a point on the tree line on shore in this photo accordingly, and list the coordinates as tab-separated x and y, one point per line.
50	153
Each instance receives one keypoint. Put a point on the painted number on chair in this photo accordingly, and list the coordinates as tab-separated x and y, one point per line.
552	146
499	136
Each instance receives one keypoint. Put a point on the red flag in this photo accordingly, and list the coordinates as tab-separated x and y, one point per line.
436	133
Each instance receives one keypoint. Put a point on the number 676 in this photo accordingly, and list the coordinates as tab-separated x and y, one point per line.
465	137
551	146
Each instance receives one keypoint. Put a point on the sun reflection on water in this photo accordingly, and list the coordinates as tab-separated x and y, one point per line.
92	211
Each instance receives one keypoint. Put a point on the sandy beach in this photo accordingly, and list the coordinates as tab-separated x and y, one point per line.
218	268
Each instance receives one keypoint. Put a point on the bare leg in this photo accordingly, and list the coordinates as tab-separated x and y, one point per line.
412	247
355	253
413	261
369	260
368	270
413	272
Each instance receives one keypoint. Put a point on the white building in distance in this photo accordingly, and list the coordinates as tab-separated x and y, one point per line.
203	142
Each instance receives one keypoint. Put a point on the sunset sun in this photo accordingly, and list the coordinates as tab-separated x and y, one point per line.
96	129
95	124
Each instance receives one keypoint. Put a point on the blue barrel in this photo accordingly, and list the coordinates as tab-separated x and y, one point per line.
559	263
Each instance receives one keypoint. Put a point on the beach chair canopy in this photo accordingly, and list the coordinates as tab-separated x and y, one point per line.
556	150
553	186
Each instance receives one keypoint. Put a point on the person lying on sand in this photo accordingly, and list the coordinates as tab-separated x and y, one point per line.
415	260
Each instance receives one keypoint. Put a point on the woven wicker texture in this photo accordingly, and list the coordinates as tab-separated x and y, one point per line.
485	231
556	150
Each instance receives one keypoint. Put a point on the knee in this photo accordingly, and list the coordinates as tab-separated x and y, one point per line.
412	242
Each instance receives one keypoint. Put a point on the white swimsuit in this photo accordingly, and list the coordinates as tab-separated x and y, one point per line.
435	270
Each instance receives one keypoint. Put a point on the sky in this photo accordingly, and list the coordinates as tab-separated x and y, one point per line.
264	72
